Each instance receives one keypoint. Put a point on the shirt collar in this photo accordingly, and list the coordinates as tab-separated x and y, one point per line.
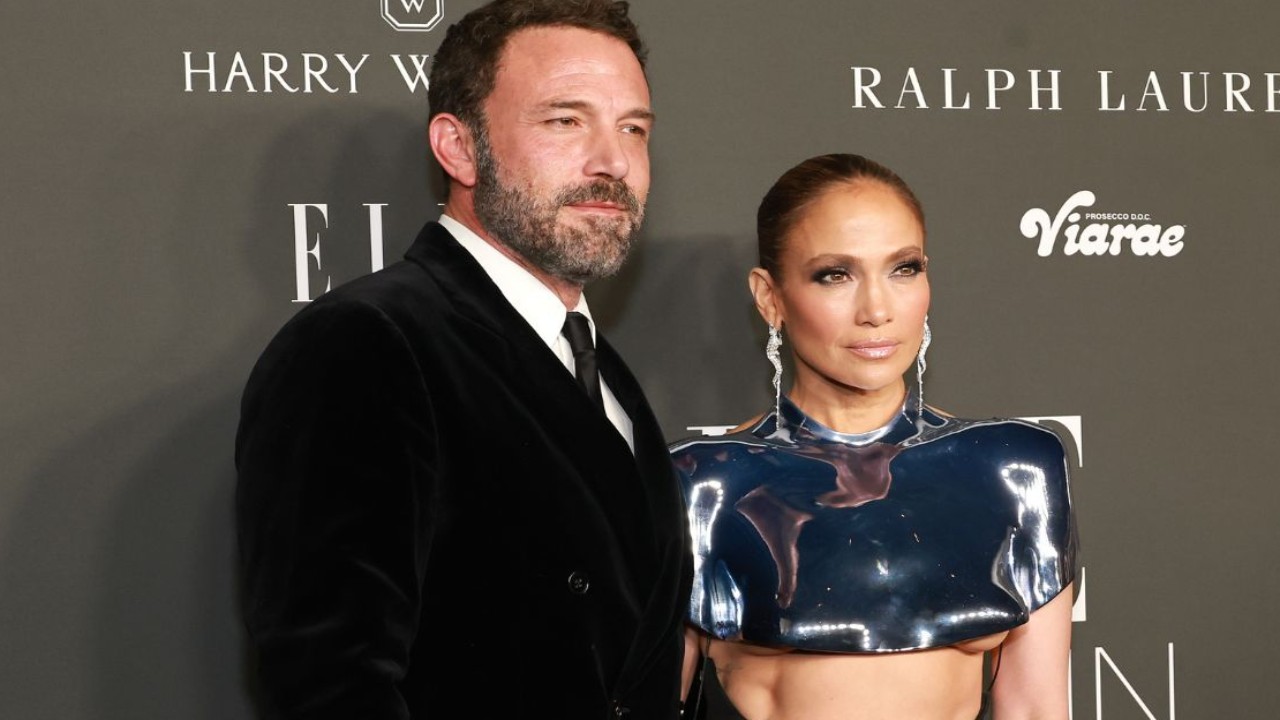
536	303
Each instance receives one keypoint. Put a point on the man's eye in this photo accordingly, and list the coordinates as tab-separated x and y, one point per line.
636	130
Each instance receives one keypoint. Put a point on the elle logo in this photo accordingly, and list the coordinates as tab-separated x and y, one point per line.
306	243
1099	238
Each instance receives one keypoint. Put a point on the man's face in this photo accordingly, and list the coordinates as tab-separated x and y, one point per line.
563	159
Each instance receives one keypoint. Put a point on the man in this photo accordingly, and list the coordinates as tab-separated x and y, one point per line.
434	512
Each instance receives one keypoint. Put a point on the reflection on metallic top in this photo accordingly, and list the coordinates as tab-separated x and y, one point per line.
924	533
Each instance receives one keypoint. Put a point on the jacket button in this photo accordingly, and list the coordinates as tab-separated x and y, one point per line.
579	582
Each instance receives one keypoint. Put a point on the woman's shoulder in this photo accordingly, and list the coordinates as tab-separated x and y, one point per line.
1016	431
1012	445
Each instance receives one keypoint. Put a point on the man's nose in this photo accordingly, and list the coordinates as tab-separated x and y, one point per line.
606	156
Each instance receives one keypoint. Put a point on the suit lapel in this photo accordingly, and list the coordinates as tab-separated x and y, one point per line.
540	382
669	591
634	491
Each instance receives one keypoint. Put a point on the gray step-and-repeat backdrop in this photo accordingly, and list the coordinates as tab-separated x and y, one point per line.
1101	181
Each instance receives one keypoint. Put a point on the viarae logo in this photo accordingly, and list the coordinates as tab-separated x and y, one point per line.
1104	234
413	15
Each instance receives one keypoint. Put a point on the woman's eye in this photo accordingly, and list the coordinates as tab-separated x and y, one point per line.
831	276
909	269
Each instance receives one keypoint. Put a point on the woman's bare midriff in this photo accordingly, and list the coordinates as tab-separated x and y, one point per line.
771	684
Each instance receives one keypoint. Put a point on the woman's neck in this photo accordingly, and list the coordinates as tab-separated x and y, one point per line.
845	409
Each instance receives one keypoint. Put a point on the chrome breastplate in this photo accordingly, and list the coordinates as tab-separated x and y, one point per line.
924	533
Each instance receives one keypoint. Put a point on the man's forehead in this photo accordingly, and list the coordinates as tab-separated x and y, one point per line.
556	67
549	50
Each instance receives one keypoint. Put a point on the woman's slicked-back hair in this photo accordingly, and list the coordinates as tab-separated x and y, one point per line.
808	181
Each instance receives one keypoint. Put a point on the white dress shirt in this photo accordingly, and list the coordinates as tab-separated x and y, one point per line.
540	307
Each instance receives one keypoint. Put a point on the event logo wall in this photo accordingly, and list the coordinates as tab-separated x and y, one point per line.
1103	233
1042	90
269	72
413	15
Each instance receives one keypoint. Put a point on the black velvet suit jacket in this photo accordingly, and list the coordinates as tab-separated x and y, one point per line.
432	514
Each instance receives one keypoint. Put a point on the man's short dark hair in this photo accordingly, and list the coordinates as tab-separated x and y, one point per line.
466	64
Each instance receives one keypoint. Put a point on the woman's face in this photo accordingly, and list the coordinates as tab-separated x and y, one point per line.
852	293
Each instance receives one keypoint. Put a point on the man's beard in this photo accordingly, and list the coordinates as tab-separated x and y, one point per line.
527	223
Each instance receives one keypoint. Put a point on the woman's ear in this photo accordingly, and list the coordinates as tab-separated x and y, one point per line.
453	147
763	289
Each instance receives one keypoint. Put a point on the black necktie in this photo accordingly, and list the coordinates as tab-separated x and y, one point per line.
577	331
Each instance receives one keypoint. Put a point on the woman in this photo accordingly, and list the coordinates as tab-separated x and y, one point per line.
857	552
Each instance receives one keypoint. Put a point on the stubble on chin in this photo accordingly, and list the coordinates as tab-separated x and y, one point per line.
593	247
575	249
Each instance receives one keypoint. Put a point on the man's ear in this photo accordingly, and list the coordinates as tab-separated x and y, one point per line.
454	148
764	290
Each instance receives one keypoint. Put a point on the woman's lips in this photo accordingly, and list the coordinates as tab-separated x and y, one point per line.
874	349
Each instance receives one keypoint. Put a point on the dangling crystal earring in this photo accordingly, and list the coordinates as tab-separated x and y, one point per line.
771	351
921	365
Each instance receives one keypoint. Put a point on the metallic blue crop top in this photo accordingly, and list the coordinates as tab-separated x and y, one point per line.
924	533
